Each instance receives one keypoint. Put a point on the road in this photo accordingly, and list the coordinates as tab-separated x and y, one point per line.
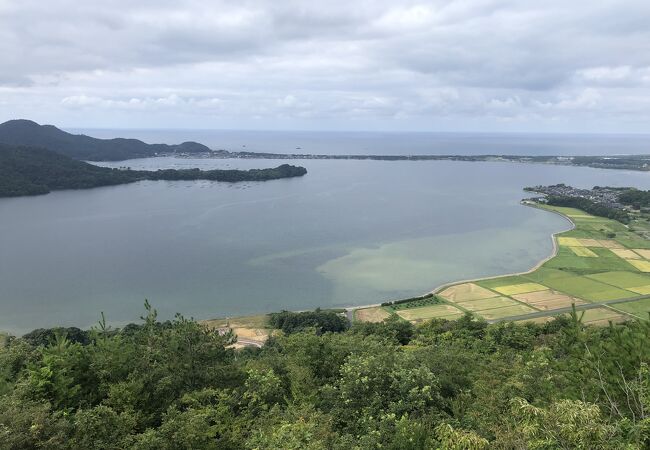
558	311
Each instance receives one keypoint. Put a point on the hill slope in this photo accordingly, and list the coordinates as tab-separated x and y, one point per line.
34	171
78	146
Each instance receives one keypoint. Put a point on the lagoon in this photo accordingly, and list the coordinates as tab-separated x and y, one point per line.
348	233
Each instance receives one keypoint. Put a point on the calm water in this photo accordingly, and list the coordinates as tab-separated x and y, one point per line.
350	232
393	143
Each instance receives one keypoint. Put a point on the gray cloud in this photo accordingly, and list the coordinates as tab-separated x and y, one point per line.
484	64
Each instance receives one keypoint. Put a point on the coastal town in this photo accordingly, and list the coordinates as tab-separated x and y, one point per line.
604	196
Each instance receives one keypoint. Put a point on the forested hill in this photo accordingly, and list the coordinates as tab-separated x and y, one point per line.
34	171
31	134
451	385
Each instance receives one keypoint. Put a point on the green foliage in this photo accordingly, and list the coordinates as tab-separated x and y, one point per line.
35	171
414	302
323	321
31	134
393	328
442	385
635	197
565	424
589	207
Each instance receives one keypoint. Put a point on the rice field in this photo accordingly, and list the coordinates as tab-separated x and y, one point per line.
488	303
519	288
600	316
590	242
569	242
621	279
430	312
643	266
508	311
465	291
643	252
583	252
625	253
638	308
548	300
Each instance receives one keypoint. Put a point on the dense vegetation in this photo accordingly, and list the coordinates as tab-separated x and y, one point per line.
589	207
627	162
448	385
321	321
412	302
33	171
636	198
30	134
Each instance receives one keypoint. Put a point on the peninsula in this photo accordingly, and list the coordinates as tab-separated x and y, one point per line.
36	171
77	146
625	162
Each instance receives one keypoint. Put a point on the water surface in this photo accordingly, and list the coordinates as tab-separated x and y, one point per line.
348	233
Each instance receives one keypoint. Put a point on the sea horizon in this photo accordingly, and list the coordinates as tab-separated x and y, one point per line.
390	142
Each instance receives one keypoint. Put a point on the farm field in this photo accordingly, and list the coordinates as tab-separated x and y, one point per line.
638	308
375	314
599	262
430	312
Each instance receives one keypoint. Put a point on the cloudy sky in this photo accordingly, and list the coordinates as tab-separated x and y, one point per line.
484	65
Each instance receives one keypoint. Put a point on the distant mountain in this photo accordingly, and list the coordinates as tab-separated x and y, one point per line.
34	171
79	146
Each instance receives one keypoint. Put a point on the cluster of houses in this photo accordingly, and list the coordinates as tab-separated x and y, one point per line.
604	196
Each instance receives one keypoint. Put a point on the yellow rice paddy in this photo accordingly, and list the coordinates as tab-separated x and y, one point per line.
643	252
569	242
643	290
625	253
519	288
643	266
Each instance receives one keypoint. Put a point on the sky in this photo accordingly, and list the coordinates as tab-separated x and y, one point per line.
466	65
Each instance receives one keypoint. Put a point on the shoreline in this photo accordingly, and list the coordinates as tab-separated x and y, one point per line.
349	310
443	286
